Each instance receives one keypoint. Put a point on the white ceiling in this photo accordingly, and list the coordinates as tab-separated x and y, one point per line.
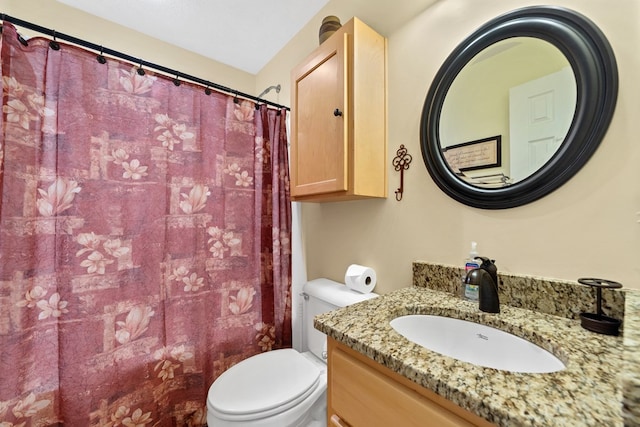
245	34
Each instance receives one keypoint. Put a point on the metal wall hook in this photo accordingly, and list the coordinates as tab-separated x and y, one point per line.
401	163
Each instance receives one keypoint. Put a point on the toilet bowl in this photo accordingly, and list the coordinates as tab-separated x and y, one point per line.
277	388
286	387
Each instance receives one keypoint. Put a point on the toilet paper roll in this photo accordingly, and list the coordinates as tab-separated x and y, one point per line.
360	278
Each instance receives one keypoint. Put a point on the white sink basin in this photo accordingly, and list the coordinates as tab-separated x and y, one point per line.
477	344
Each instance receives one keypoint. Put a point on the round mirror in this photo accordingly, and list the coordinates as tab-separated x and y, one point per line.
519	107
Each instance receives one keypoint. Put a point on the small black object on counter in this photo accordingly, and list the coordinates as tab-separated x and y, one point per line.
598	322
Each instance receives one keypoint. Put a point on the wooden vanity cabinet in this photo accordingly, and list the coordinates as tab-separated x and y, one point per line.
363	393
338	118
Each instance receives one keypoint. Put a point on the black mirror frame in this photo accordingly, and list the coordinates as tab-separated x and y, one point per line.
594	66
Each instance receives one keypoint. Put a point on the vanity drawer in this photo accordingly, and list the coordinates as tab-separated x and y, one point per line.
361	395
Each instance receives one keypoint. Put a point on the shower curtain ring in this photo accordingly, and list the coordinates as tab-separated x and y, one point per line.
100	58
23	41
53	44
140	71
176	81
207	91
235	98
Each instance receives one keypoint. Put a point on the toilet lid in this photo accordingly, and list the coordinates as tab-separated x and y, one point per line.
269	382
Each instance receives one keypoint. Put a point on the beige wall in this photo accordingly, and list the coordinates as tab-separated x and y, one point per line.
60	17
587	228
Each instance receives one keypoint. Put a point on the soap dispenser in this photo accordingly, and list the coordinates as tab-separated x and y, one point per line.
470	291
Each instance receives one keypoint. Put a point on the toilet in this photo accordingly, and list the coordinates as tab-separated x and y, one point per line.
287	387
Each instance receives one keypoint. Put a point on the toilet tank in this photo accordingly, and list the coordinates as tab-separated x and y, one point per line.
320	296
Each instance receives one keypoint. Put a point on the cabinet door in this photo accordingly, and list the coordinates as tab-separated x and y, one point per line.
319	118
361	396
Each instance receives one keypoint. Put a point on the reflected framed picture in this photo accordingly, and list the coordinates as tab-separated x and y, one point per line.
478	154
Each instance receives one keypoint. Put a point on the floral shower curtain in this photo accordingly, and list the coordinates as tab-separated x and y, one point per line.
144	239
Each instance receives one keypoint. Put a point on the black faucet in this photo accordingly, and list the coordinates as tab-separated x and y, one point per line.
486	278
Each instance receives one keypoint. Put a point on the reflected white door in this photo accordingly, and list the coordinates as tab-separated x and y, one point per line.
540	114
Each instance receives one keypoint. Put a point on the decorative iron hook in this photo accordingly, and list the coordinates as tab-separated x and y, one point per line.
401	163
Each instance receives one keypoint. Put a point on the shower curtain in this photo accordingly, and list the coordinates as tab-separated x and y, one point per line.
144	239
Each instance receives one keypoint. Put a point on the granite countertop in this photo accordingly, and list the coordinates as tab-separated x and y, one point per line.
630	372
586	393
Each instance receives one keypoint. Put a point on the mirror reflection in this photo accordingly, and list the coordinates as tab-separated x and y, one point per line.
473	150
507	112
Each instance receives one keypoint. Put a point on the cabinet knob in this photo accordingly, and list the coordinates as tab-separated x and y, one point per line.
337	112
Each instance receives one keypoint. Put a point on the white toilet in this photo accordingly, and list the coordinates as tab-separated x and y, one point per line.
282	388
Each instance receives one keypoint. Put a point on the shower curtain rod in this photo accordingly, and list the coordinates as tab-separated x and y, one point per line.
104	50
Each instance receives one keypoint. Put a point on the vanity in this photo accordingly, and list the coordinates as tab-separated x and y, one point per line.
363	392
378	377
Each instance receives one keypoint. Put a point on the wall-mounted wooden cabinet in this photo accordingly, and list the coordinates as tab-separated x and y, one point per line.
338	118
363	393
